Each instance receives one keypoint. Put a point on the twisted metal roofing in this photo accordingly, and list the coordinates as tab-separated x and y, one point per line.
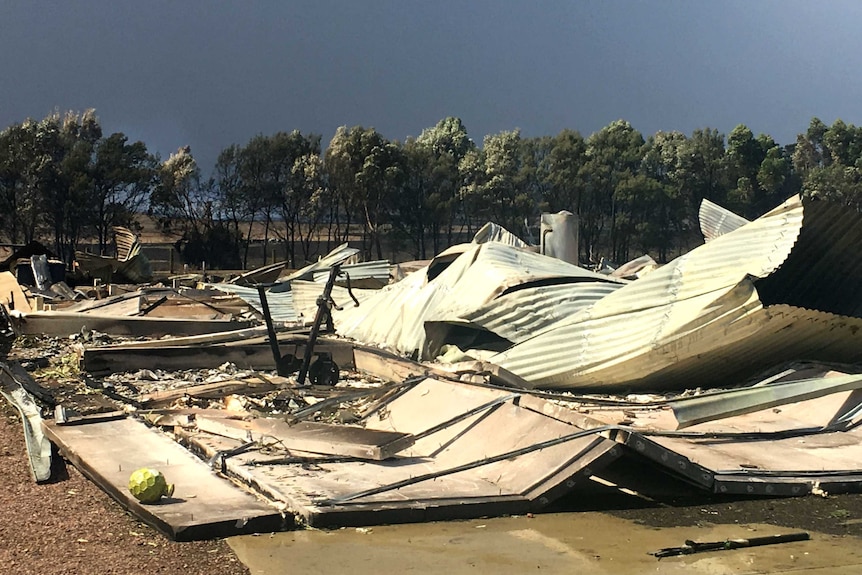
746	300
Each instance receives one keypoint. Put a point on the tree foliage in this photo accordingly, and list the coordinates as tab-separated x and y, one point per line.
61	178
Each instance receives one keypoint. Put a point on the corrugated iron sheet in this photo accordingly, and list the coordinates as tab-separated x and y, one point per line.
280	303
127	243
338	255
523	313
700	320
492	232
305	294
730	403
480	273
781	288
376	270
716	221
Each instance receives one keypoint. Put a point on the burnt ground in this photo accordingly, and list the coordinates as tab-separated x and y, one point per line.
673	503
833	514
70	526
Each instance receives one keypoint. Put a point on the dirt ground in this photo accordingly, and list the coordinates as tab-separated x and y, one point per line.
70	526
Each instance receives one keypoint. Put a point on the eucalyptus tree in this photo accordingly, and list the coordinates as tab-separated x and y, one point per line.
179	202
122	176
312	197
437	154
472	179
660	194
60	176
19	198
420	208
534	177
364	171
493	185
229	193
564	162
758	169
58	171
259	175
296	176
829	160
702	171
613	155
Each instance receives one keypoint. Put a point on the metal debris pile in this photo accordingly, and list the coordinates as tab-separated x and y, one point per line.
494	379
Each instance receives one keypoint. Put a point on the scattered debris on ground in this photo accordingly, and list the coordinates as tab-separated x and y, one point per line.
493	380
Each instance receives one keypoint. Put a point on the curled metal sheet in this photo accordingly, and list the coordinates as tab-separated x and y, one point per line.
280	303
746	300
716	221
477	277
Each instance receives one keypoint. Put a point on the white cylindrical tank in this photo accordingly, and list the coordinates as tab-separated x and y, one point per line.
560	236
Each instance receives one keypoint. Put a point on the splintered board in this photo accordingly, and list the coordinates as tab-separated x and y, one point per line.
312	437
203	505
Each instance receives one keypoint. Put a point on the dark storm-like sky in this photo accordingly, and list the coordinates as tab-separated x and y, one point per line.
212	73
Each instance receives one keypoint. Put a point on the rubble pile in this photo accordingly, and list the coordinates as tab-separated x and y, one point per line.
494	379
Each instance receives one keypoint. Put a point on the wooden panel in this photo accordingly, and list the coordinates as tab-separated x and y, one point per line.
203	506
209	390
11	294
63	324
339	440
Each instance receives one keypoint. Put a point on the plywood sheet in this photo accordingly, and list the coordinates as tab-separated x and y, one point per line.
503	459
11	294
339	440
203	506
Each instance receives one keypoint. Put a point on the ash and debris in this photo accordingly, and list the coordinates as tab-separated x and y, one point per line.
54	364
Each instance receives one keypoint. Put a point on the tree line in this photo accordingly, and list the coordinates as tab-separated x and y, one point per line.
62	178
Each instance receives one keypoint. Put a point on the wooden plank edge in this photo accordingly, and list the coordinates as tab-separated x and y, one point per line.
270	522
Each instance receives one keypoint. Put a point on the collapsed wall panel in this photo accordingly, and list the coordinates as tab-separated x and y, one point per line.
203	505
476	452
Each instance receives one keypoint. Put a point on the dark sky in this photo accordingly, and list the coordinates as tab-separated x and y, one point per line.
212	73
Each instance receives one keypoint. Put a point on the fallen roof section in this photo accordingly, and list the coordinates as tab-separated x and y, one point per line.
479	275
204	505
716	221
768	292
477	452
